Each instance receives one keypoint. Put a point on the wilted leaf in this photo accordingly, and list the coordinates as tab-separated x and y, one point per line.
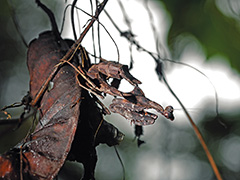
45	150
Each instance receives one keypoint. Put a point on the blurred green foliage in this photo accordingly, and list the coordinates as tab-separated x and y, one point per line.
217	32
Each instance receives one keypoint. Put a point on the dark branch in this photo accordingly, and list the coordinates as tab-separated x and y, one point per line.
51	17
72	19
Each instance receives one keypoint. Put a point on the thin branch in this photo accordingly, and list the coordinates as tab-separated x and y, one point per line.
154	56
118	53
156	37
68	56
195	128
121	162
76	45
130	37
112	21
99	40
93	37
72	19
197	132
126	18
51	17
64	16
192	67
97	130
128	22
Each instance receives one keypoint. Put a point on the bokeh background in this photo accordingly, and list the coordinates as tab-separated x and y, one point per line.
202	33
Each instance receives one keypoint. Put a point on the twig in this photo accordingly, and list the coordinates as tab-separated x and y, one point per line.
127	21
97	130
121	162
156	37
99	40
72	19
192	67
93	37
196	130
155	57
88	89
118	54
64	16
71	52
129	37
81	72
76	45
51	17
